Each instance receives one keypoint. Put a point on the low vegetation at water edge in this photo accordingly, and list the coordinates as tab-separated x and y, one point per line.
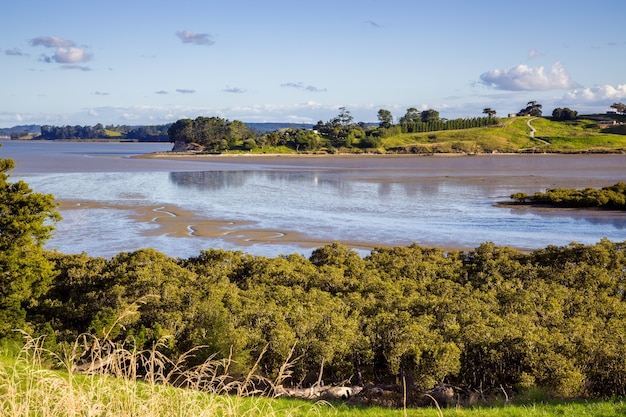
612	197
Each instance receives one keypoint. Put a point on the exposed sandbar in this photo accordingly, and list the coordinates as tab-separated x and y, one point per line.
173	221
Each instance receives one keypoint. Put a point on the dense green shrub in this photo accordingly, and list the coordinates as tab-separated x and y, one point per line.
550	319
612	197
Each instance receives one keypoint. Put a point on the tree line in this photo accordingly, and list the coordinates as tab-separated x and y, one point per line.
148	133
340	133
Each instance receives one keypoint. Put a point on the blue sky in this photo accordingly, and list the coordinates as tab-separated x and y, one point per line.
153	62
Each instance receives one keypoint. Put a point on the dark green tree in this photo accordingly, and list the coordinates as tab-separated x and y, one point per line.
26	221
564	114
181	131
619	107
429	116
532	109
344	118
412	115
385	118
489	112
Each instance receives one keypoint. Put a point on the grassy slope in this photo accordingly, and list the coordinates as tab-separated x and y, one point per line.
113	133
513	136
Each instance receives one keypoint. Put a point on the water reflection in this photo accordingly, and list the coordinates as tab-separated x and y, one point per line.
208	180
341	182
217	180
602	218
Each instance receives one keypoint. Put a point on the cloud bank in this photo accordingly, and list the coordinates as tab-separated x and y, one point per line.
597	94
525	78
187	36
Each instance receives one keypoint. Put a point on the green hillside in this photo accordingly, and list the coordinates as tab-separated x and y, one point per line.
513	135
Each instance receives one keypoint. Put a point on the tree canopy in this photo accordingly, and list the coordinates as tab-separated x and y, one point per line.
488	318
489	111
619	107
26	223
561	114
213	133
532	109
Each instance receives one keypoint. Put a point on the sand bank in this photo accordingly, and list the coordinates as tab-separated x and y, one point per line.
173	221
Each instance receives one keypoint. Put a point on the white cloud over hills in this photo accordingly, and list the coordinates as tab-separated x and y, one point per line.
525	78
597	94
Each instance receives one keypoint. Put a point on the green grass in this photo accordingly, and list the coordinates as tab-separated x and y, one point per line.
113	133
512	135
28	387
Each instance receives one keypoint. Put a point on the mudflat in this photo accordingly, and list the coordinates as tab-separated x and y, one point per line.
176	222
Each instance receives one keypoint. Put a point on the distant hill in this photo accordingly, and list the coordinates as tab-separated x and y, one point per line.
30	129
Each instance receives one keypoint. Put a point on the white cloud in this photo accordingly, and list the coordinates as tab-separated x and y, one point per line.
66	51
533	53
187	36
185	91
596	94
70	55
525	78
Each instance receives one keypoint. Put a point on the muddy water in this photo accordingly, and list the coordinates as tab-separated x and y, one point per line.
114	201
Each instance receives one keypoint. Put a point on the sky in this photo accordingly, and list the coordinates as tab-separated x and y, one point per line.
139	62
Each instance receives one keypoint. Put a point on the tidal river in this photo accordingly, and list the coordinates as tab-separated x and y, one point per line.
113	201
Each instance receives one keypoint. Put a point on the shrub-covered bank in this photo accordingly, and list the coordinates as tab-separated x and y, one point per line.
491	318
612	197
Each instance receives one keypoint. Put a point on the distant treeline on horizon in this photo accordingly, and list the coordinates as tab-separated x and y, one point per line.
147	133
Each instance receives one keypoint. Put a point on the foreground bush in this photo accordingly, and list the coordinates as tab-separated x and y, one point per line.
490	319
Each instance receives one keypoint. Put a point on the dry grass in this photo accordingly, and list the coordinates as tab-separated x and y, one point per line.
113	380
118	381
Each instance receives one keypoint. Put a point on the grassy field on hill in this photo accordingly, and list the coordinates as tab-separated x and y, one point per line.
513	135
